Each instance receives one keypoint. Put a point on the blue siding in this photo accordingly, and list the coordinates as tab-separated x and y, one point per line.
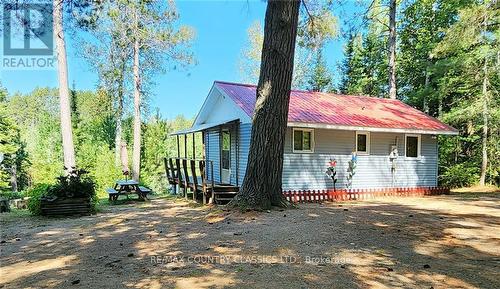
232	172
239	151
307	170
245	133
212	153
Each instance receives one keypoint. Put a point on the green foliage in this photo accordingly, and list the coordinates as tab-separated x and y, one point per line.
100	162
468	58
317	26
76	184
365	66
460	175
11	195
155	149
157	144
320	78
14	157
37	117
353	72
35	194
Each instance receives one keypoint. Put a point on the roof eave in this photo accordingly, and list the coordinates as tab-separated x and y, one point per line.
371	129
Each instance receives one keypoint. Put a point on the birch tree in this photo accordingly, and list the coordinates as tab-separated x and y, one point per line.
108	53
64	99
158	42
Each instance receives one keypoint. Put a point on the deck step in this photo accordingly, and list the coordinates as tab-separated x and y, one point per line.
224	199
225	193
226	188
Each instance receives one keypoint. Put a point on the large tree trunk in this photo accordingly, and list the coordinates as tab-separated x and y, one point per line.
261	187
136	153
66	130
13	173
484	163
425	96
392	49
119	115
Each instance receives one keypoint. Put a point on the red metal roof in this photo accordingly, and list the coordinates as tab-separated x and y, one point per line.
341	110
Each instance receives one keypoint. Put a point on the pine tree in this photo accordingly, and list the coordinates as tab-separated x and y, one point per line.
421	30
473	43
9	145
320	78
353	68
261	186
375	53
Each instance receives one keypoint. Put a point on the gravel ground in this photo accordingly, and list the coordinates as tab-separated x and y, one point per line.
432	242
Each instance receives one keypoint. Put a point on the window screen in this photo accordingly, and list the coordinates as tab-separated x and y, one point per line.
412	146
361	143
302	140
226	149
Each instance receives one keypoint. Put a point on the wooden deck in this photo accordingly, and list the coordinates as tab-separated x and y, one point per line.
190	177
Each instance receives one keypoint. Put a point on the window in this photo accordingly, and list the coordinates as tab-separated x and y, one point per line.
412	146
226	150
303	140
362	143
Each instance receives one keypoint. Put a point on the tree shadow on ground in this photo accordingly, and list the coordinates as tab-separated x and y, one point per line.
447	242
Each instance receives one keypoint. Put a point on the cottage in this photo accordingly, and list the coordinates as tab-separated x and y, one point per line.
373	142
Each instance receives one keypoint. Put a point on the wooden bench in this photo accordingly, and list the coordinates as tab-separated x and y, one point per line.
144	191
113	194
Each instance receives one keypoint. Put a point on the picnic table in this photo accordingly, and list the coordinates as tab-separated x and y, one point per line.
127	187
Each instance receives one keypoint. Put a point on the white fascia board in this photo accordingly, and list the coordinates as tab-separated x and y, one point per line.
203	107
242	115
371	129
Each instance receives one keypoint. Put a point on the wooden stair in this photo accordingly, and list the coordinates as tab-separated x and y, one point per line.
223	194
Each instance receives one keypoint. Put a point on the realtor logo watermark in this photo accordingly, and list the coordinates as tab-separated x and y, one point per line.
28	40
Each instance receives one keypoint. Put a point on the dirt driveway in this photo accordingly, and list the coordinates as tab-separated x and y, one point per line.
431	242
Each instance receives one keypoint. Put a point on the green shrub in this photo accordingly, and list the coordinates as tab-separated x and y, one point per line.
77	184
9	195
459	175
35	194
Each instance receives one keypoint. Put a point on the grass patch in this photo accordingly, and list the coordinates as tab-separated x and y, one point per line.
476	191
15	214
132	199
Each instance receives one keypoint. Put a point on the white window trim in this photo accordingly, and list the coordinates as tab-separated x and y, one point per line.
312	140
367	133
419	145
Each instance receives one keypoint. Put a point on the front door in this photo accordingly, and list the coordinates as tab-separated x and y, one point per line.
225	156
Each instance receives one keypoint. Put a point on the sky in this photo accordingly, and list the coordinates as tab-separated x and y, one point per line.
221	34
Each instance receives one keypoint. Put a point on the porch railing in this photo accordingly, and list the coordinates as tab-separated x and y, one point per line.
190	174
